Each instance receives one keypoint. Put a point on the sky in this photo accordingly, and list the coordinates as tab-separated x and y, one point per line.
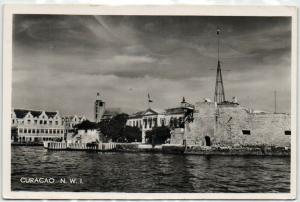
60	62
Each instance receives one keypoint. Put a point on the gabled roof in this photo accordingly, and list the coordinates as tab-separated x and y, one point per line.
137	114
140	114
51	114
21	113
149	110
36	113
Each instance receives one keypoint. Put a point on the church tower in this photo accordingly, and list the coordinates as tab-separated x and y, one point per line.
99	108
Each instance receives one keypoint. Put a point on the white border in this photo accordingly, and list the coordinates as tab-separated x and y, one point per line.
9	10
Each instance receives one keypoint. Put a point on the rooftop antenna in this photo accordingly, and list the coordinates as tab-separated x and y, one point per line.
219	88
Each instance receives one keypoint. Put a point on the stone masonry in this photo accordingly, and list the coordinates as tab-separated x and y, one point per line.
233	125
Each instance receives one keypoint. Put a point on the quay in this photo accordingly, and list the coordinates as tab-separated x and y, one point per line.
51	145
262	150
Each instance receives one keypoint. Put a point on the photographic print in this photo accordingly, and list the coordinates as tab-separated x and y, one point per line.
167	103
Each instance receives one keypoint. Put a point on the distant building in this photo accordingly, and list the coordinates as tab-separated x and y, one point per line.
146	120
103	113
99	108
36	126
71	121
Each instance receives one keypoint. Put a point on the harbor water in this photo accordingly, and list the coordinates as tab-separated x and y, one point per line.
38	169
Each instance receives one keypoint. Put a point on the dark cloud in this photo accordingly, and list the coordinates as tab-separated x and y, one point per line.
171	56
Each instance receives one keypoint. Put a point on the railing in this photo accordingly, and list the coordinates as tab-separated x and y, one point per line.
79	146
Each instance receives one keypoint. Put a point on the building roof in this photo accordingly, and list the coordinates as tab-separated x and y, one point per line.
137	114
176	110
51	114
21	113
140	114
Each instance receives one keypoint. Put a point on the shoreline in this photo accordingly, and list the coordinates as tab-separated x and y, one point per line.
189	150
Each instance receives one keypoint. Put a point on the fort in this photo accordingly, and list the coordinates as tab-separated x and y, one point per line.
232	125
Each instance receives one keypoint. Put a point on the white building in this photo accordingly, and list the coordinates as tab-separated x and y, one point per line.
148	119
36	126
71	121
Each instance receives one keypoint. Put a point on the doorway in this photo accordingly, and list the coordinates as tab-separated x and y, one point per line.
207	141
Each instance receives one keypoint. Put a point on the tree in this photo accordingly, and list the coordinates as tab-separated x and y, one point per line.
132	134
112	129
158	135
86	125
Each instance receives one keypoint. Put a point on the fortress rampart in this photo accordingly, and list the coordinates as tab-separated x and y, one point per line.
233	125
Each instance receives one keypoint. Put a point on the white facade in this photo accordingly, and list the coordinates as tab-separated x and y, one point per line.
36	126
71	121
84	136
147	120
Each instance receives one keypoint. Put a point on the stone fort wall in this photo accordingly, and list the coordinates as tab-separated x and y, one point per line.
231	125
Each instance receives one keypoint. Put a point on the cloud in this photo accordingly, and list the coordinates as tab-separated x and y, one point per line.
60	62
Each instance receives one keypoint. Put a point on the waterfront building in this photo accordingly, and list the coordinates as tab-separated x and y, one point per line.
150	118
36	126
146	120
175	117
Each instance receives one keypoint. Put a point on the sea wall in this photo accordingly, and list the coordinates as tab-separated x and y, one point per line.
236	126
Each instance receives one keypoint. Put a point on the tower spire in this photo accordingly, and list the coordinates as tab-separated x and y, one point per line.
219	88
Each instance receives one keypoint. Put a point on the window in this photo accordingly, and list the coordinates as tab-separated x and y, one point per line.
145	123
13	121
33	130
150	123
45	122
287	132
246	132
37	131
35	122
25	130
50	122
54	131
46	131
21	130
50	131
29	130
56	122
42	130
41	121
28	121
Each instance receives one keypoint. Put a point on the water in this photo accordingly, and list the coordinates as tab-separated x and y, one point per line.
138	172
